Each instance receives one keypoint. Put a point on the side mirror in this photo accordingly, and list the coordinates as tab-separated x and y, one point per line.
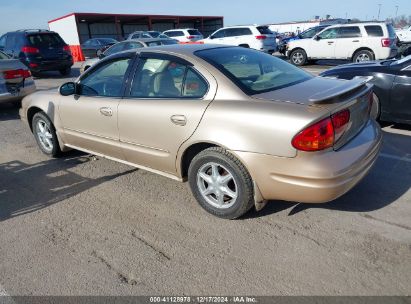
67	89
316	37
212	37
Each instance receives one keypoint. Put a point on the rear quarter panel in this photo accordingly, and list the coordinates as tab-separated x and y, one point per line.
253	125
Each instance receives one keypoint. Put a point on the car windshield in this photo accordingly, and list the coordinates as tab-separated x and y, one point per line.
107	40
403	60
254	72
154	34
45	40
3	56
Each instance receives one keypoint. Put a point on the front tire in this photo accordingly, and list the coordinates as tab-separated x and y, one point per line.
45	134
376	108
363	56
220	183
65	72
298	57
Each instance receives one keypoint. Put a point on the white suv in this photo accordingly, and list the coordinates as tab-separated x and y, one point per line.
184	35
357	42
253	36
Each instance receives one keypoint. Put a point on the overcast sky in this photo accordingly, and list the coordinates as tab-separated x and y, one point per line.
19	14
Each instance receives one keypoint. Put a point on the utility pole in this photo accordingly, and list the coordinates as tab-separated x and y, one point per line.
396	11
379	11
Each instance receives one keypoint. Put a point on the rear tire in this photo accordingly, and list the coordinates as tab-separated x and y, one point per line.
298	57
376	108
220	183
363	56
65	72
45	134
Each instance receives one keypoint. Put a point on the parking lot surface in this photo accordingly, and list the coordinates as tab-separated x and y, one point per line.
84	225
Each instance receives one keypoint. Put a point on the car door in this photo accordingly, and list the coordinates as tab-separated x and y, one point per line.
165	103
323	44
89	118
348	40
400	95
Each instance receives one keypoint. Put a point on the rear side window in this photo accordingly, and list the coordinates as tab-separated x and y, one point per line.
264	30
219	34
374	30
349	32
194	32
45	40
175	33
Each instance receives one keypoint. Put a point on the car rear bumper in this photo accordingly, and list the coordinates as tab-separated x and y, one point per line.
49	65
23	91
315	177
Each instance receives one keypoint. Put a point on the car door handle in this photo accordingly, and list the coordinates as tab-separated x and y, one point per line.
106	111
330	42
179	120
356	41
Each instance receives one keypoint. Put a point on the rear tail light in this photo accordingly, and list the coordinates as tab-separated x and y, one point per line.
386	42
190	37
33	65
340	122
66	48
30	50
13	74
323	134
261	37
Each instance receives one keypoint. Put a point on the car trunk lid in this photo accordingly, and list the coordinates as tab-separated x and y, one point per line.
334	96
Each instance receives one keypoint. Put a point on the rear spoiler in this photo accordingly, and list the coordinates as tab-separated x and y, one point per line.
345	87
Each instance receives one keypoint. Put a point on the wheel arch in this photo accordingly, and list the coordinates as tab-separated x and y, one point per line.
295	49
364	48
30	114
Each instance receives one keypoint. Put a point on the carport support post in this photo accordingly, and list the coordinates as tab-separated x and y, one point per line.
150	25
119	29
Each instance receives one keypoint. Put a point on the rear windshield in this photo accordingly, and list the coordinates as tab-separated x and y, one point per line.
253	71
374	30
50	39
264	30
194	32
391	31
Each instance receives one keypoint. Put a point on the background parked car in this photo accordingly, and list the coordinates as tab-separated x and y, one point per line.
91	46
184	35
39	50
146	34
15	79
392	86
251	36
310	33
356	42
127	45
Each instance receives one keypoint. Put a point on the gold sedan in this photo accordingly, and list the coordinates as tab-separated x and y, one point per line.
241	126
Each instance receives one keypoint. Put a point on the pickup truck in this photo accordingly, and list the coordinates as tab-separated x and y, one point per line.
405	35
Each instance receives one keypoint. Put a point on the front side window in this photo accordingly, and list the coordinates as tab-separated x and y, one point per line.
349	32
252	71
106	80
329	34
308	34
161	78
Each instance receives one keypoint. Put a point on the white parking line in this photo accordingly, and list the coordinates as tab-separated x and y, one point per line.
403	158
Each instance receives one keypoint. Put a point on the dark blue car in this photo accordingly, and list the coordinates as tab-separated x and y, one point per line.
310	33
39	50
